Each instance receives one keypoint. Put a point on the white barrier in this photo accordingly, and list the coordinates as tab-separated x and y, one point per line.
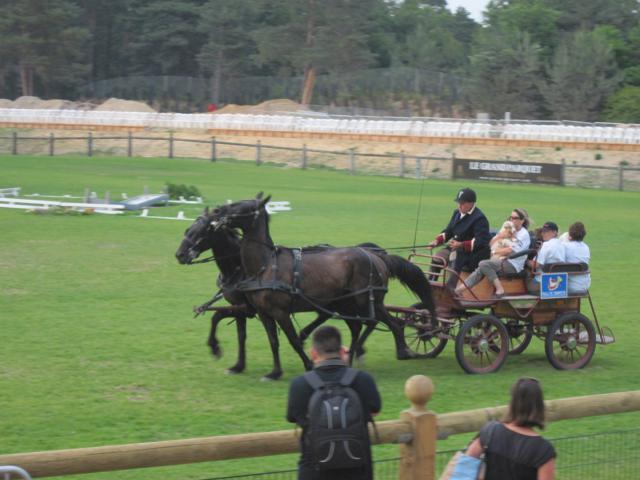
25	203
612	133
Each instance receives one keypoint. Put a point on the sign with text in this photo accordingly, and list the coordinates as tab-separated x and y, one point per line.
508	171
554	285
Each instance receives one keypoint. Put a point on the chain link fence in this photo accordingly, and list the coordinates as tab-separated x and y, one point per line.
398	164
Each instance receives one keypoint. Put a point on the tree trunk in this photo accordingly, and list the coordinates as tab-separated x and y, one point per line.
26	79
310	70
216	79
307	86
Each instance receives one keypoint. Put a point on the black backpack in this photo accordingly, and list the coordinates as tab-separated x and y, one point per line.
336	436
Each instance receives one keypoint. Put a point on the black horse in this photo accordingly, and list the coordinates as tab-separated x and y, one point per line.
348	283
225	247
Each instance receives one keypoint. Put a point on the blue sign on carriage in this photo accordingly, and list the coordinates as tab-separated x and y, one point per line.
554	285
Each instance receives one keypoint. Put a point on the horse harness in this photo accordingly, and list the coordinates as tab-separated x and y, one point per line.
256	283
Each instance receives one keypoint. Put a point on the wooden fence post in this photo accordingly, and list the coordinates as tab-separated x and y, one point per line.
417	460
258	152
402	160
51	145
214	156
304	156
418	168
621	177
129	144
563	172
170	144
90	145
352	161
14	143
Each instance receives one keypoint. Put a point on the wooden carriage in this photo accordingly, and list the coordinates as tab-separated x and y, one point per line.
487	329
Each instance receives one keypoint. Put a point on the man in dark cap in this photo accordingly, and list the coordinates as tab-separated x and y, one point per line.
467	234
551	251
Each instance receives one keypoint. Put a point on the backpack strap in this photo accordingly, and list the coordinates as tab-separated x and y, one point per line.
348	377
314	379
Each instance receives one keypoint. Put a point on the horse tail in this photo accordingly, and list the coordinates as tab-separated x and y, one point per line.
412	277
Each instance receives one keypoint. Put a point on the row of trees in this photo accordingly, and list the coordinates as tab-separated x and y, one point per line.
563	59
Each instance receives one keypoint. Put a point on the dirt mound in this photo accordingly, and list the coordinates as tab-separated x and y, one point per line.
57	104
119	105
38	103
27	102
4	103
280	105
233	108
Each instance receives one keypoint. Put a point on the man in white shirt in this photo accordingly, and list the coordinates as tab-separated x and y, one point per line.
552	251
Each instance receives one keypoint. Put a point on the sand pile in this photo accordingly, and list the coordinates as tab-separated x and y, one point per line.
38	103
27	102
280	105
119	105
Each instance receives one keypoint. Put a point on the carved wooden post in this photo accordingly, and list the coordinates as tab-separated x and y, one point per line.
418	457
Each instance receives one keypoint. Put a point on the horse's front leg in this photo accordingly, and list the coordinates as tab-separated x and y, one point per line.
241	329
213	343
272	333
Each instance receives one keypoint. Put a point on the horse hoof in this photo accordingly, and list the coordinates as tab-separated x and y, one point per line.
233	371
216	352
405	355
271	377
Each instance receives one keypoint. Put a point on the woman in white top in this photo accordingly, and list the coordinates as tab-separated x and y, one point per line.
490	268
576	251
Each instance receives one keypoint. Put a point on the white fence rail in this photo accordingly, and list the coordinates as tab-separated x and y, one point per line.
515	130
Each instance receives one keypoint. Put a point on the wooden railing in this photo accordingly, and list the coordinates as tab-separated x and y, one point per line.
416	431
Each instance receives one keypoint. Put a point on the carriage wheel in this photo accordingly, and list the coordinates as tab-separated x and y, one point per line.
421	337
570	342
520	335
482	344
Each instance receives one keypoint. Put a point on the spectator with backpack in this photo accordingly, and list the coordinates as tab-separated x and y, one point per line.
334	446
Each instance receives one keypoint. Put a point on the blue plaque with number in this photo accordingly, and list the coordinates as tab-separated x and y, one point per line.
554	285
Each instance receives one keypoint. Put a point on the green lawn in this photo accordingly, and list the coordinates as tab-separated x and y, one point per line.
99	345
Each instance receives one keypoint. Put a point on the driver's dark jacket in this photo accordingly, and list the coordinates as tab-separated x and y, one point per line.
473	230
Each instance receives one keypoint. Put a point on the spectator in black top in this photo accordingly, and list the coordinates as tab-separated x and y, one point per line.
327	347
467	234
515	451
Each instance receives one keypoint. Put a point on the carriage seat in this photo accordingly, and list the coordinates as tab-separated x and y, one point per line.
522	273
566	267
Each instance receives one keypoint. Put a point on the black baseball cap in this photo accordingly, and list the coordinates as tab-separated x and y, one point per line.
550	226
465	195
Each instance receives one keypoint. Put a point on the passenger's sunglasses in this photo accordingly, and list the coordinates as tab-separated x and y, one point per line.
514	218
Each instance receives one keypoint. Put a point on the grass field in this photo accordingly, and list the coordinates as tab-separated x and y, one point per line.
99	345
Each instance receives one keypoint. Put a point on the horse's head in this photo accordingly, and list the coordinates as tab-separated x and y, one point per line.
241	214
196	239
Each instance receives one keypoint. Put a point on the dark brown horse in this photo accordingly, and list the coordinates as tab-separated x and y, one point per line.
225	247
347	283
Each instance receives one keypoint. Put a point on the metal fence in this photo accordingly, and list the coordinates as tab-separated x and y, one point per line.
610	455
397	164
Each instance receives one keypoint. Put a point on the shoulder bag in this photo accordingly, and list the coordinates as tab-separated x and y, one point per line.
465	467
